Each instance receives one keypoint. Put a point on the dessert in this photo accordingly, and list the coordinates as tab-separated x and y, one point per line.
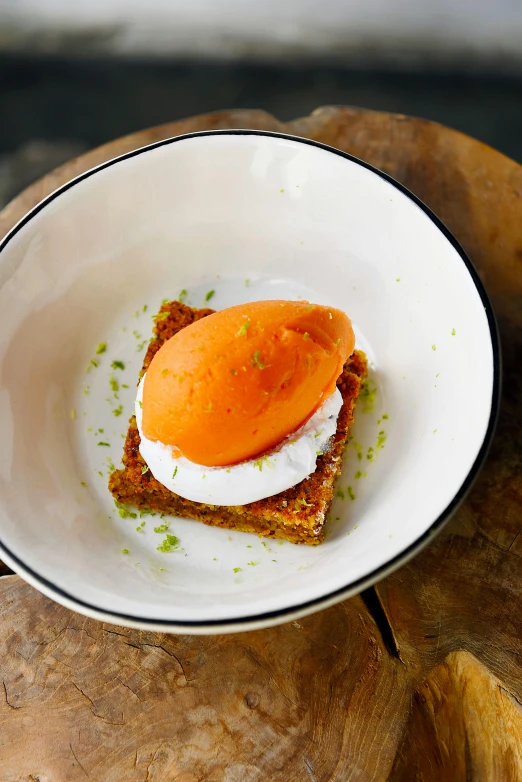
242	418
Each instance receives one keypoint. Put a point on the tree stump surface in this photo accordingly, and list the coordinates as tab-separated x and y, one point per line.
419	678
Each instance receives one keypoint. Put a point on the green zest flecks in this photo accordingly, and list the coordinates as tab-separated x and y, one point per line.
350	493
125	551
244	328
434	347
106	445
162	528
453	332
118	365
263	461
182	296
209	295
237	570
171	543
256	360
144	469
368	395
174	473
124	512
118	410
102	348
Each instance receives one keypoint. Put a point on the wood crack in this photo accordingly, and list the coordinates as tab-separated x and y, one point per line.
93	707
170	654
309	769
76	759
7	698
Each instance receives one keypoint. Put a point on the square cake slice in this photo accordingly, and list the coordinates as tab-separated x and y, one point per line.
297	514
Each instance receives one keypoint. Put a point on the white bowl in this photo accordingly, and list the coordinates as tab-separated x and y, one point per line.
250	215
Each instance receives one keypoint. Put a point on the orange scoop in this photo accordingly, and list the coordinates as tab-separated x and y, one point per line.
234	384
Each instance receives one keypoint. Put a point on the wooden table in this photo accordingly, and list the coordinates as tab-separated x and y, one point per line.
419	678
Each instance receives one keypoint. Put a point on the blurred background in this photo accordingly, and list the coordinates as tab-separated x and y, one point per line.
74	74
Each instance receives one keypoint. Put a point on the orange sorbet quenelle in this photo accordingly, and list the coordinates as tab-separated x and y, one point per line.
234	384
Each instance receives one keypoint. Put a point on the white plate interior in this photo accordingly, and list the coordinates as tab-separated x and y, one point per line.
250	217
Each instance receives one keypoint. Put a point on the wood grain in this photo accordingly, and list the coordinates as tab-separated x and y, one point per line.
419	679
459	706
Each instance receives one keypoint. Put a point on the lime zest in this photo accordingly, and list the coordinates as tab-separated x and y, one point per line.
256	360
124	512
171	543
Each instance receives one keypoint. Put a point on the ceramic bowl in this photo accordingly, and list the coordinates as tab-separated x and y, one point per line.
248	215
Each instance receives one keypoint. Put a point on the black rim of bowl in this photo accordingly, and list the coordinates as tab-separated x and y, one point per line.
352	587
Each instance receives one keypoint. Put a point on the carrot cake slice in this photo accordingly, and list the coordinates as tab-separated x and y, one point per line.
297	514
